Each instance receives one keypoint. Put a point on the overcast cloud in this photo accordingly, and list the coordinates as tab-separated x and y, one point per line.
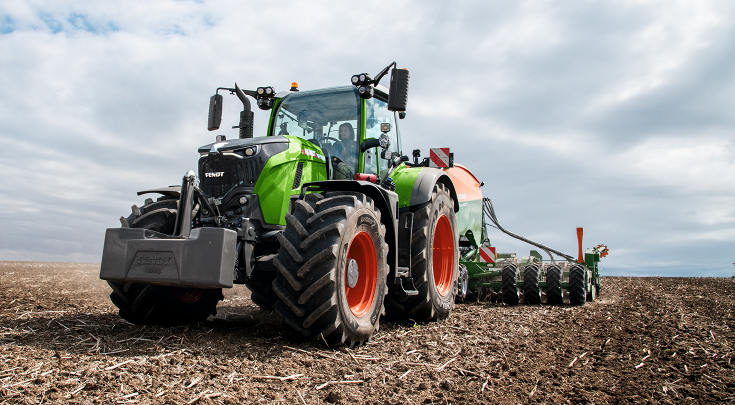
616	116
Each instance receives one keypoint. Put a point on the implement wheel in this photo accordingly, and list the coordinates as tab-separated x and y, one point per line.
531	292
434	261
594	291
142	303
509	288
553	285
577	284
463	282
332	268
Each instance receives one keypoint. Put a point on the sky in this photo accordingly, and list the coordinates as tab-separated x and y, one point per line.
616	116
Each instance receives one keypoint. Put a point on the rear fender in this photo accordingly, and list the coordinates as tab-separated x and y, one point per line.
423	188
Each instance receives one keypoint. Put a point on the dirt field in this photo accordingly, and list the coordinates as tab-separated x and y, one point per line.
647	340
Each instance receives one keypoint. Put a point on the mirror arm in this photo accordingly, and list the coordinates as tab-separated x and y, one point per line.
241	95
382	73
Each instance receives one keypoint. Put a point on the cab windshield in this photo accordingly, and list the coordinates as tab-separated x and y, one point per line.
328	118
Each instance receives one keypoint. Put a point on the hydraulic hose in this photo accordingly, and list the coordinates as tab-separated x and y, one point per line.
487	208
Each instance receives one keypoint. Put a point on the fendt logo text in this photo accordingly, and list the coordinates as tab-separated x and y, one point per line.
214	174
153	260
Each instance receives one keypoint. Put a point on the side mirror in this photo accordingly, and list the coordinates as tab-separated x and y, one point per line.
398	92
215	112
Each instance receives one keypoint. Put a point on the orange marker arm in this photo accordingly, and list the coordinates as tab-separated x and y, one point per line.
580	231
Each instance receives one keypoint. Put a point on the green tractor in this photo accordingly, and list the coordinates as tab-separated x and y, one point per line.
323	219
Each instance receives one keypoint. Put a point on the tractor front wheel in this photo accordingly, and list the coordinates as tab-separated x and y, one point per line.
142	303
332	268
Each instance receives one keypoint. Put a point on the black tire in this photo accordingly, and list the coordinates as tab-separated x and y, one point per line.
147	304
553	285
577	285
531	292
323	235
463	282
508	287
168	203
150	304
435	299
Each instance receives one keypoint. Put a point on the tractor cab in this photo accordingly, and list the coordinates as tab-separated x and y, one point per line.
344	125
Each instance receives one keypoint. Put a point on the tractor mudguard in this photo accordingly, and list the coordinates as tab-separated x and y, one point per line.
205	259
424	186
386	201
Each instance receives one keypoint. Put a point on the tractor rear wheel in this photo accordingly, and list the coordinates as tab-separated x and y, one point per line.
434	261
577	285
142	303
553	285
509	288
332	268
531	292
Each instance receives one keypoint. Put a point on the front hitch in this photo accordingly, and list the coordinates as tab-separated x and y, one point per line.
190	191
183	217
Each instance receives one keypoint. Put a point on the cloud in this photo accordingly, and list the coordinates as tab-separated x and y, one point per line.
615	116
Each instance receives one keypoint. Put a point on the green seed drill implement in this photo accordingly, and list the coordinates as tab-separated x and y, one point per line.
532	280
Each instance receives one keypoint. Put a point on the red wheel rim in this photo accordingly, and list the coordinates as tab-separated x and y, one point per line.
188	295
442	260
360	297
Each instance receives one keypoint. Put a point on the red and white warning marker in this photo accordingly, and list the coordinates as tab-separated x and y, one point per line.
439	157
487	255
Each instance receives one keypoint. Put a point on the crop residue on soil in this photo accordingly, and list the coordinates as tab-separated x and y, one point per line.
646	340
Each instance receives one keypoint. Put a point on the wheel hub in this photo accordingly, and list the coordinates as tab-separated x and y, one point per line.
353	273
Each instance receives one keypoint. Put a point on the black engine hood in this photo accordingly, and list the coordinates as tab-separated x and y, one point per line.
237	144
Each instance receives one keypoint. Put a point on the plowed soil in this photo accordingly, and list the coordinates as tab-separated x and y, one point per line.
646	340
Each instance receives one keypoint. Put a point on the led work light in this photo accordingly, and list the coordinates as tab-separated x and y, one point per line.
364	84
264	96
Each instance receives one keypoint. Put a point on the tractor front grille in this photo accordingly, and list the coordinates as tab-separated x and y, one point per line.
219	174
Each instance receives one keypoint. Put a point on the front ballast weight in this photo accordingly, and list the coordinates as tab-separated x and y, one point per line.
199	257
531	280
